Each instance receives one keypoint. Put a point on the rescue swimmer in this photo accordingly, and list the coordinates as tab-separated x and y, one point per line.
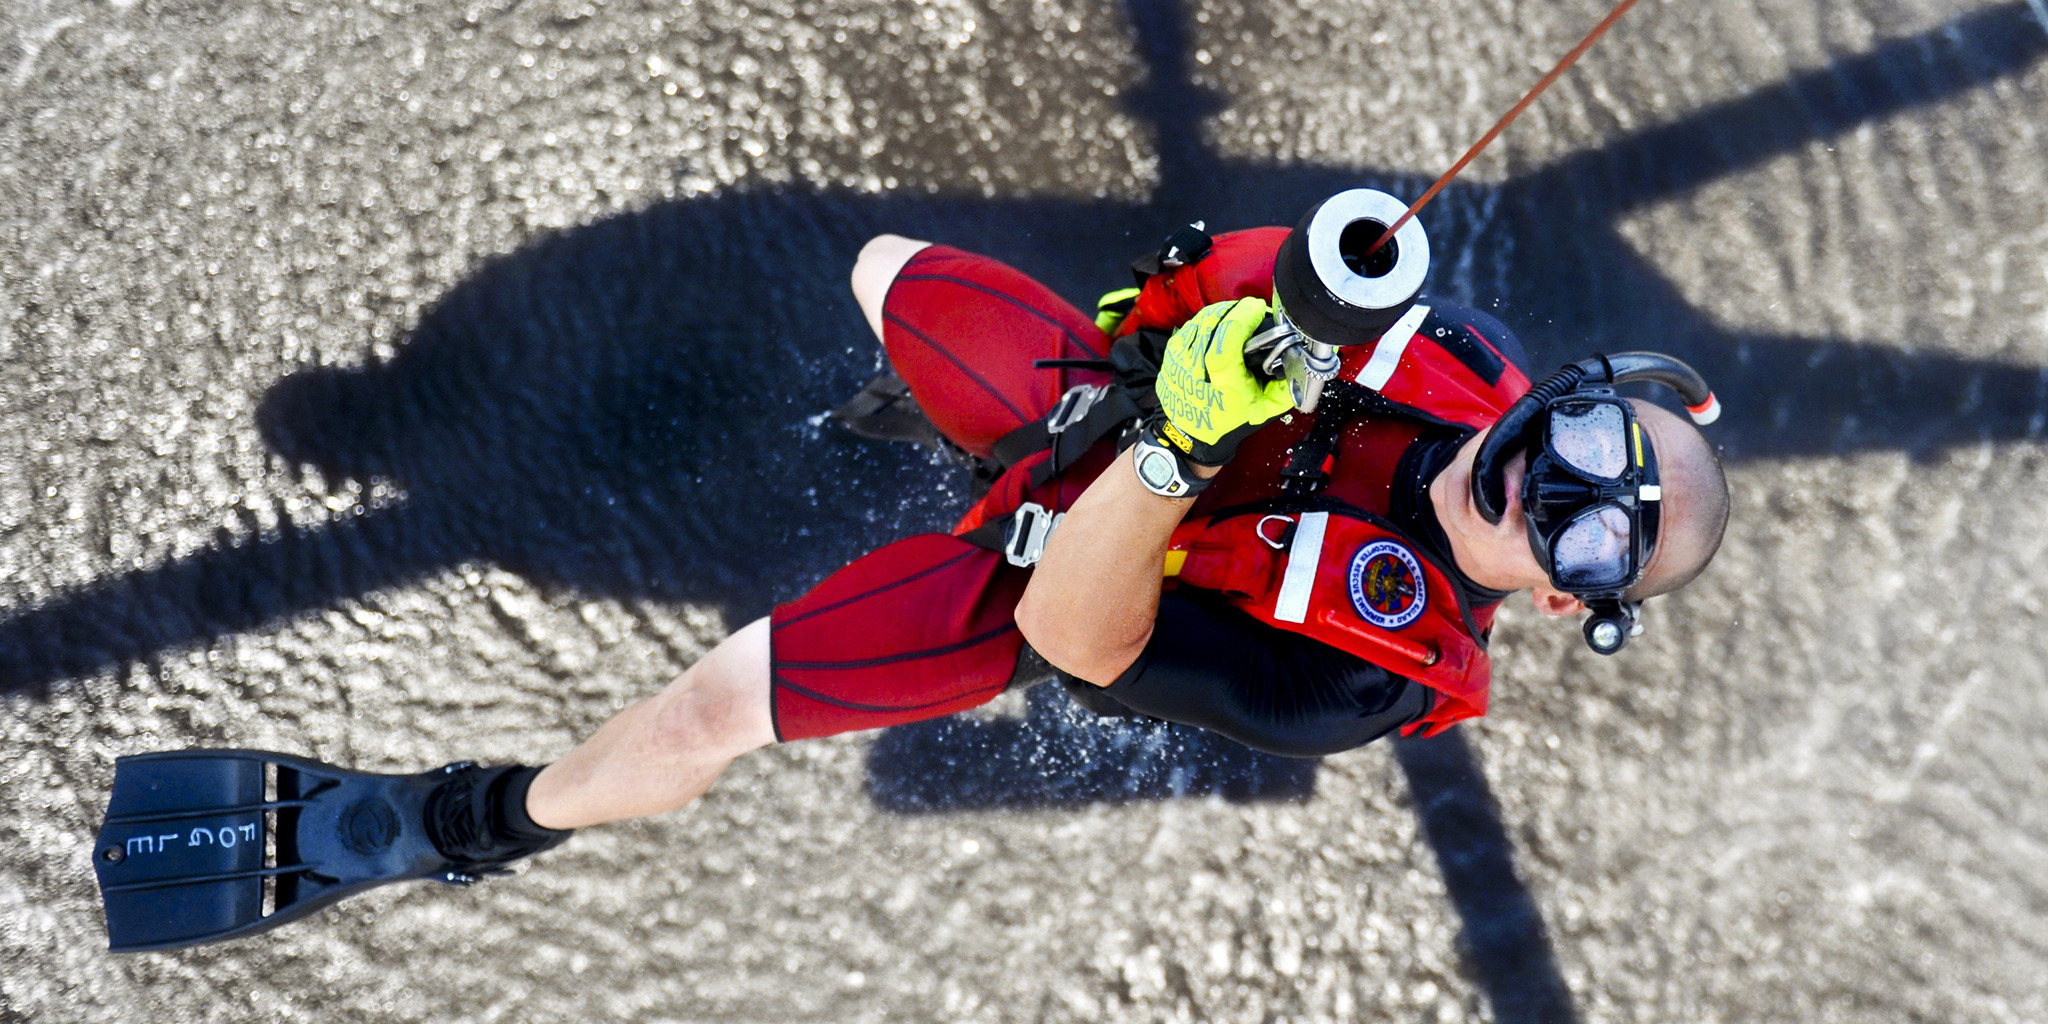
1269	492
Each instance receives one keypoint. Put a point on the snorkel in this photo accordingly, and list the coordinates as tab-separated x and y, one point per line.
1333	287
1523	427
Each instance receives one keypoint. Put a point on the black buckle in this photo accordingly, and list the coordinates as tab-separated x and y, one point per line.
1186	245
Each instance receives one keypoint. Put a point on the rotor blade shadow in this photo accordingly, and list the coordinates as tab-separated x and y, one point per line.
1784	395
1937	65
1803	397
1190	170
241	583
1503	936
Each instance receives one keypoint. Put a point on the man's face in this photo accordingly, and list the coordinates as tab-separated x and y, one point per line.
1494	555
1497	555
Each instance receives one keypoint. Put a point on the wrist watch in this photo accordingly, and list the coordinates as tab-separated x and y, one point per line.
1161	470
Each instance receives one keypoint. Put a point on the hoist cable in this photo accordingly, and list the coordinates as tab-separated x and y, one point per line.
1527	98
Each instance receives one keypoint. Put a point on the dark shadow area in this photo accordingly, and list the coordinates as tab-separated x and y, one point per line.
1970	52
1505	944
628	410
1178	111
1061	755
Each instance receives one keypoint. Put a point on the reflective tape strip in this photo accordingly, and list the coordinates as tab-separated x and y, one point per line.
1302	559
1387	354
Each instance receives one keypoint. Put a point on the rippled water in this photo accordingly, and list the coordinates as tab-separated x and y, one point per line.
398	383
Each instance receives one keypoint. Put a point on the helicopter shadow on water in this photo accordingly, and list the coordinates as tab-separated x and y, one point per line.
629	410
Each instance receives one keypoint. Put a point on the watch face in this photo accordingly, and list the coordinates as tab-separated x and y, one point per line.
1156	469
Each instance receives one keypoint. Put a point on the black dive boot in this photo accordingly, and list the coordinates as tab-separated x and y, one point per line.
477	819
205	845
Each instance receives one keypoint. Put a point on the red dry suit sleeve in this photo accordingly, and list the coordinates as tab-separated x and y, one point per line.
1239	265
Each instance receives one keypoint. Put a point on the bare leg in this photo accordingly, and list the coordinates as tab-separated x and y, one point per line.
665	751
875	270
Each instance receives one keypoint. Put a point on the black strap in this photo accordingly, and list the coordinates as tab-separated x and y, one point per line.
1020	444
1304	474
1108	415
1187	245
992	535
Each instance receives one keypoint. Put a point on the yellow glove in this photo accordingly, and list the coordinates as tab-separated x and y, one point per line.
1209	397
1111	309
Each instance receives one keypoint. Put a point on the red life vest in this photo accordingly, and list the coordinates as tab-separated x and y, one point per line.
1336	568
1333	567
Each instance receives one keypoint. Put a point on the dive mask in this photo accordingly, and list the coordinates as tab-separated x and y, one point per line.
1591	497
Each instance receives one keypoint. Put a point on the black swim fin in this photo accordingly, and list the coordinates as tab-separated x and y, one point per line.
205	845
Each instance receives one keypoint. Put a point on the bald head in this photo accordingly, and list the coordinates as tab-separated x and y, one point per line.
1695	501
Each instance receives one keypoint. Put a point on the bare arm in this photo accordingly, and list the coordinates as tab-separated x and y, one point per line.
1093	597
1090	606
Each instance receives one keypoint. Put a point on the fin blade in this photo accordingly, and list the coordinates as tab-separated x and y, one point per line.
180	857
190	838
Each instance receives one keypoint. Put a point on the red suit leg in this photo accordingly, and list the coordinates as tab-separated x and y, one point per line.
962	330
919	629
925	626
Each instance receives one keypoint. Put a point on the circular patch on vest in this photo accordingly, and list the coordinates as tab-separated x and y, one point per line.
1386	585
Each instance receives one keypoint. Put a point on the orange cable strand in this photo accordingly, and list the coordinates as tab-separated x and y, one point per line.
1527	98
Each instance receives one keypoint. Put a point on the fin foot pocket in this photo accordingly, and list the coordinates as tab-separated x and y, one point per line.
884	410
